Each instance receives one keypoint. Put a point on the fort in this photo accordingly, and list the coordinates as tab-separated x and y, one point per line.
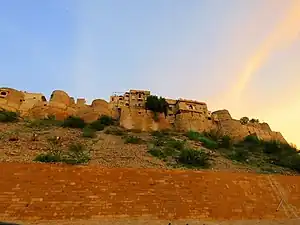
129	109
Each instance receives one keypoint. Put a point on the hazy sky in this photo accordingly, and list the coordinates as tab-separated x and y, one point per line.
240	55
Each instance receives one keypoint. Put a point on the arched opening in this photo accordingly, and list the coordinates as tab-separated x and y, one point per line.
44	99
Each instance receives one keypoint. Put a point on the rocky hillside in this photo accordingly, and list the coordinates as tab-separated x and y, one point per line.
103	142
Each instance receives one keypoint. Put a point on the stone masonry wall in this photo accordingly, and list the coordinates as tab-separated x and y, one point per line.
35	192
61	105
142	119
192	121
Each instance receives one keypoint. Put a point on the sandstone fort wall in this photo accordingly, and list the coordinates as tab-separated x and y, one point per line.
129	109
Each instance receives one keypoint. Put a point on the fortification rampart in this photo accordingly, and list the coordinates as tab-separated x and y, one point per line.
129	109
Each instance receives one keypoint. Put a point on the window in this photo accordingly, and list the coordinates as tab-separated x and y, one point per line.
190	107
140	95
3	93
44	99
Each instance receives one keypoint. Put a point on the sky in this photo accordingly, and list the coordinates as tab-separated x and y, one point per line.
237	55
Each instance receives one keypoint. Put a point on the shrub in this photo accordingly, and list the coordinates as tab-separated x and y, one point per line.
106	120
54	154
271	147
115	131
175	144
225	142
254	121
253	139
193	135
97	125
133	140
239	154
76	154
160	134
291	161
244	120
8	116
74	122
159	142
47	122
88	132
49	157
157	152
194	158
207	143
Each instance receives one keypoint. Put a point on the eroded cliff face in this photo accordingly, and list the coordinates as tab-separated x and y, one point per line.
180	117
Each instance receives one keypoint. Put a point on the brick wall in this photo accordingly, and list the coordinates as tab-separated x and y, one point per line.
51	192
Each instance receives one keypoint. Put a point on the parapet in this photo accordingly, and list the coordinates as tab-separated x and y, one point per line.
60	97
222	115
191	101
146	92
81	101
99	103
171	101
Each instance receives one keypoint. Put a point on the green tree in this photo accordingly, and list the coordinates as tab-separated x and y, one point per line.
244	120
254	121
156	105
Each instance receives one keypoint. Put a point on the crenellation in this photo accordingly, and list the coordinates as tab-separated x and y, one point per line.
129	109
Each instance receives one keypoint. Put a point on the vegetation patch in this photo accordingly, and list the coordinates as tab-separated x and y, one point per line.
193	135
115	131
253	139
177	153
106	120
8	116
102	122
97	125
194	158
44	123
76	154
73	122
239	154
205	140
225	142
160	134
133	140
88	132
208	143
156	105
